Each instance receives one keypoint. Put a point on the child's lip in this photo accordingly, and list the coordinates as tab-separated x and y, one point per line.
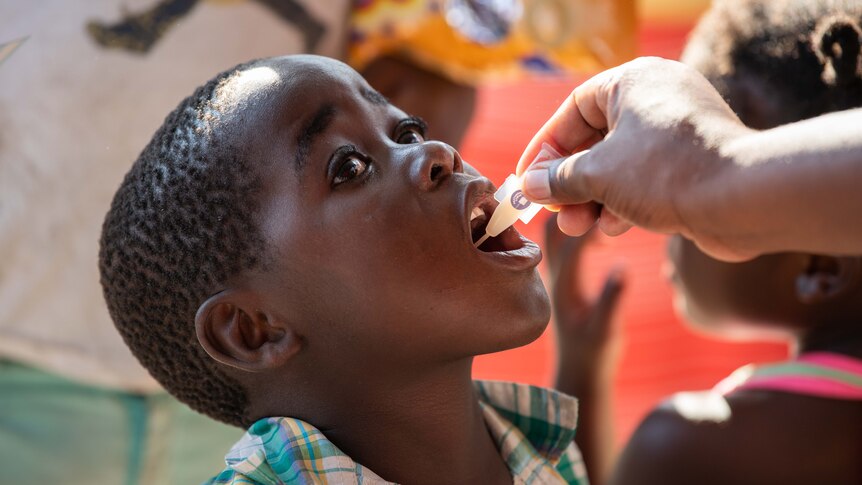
526	257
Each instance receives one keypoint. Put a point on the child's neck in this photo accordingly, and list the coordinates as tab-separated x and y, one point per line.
416	429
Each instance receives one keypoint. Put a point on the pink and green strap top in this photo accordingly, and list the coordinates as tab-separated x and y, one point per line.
822	374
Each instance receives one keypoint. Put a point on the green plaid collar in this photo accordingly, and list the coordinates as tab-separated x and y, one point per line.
534	429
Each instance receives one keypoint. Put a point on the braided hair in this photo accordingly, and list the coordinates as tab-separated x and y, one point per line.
805	54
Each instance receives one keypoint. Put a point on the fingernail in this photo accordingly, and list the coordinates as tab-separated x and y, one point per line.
536	185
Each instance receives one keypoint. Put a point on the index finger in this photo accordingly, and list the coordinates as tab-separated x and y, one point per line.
578	123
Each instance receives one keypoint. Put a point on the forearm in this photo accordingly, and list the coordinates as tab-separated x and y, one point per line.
595	420
797	187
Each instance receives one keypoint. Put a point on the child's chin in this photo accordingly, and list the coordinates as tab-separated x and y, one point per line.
534	331
532	321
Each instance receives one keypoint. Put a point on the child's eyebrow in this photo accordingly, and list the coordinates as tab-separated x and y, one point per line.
317	125
373	96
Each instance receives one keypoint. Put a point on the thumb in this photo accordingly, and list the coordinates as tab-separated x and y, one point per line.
559	181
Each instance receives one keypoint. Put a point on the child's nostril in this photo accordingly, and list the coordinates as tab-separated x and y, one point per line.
435	171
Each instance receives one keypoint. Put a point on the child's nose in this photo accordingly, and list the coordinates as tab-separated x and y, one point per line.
435	162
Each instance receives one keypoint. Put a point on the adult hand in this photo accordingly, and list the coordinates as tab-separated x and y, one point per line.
647	138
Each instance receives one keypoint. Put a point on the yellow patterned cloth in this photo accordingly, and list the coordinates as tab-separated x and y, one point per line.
477	40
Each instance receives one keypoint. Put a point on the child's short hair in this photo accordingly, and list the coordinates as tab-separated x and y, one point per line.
181	223
805	52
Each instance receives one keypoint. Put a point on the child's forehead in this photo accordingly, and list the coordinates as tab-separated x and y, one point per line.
282	91
283	106
300	77
274	98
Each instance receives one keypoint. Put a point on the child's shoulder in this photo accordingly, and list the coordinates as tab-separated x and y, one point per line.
679	439
705	437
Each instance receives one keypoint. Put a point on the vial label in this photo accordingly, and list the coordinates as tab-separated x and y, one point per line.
519	201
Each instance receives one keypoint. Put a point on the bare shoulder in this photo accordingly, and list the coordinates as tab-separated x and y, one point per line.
683	440
753	437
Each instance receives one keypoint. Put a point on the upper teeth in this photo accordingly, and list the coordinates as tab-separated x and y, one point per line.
477	212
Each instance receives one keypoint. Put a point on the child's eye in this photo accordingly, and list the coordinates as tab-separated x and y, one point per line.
410	130
351	168
412	135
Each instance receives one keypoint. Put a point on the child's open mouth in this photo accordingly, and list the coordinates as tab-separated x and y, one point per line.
508	249
508	240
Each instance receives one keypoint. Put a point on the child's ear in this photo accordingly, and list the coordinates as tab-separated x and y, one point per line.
835	41
234	330
827	277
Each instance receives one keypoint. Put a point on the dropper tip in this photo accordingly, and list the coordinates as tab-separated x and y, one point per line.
481	240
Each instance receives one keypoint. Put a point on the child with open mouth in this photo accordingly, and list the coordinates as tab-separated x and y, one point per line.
291	255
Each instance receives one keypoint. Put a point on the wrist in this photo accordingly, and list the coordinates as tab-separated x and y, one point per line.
583	387
580	378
